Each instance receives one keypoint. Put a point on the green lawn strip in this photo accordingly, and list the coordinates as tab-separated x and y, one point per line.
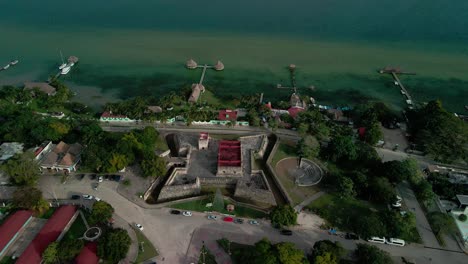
149	251
206	258
7	260
76	230
285	149
224	136
161	144
200	206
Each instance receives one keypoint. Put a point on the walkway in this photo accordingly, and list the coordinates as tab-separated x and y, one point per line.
307	201
422	225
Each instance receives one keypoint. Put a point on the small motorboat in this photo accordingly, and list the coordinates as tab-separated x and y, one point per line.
6	66
14	62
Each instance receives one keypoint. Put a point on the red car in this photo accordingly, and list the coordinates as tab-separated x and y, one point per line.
228	219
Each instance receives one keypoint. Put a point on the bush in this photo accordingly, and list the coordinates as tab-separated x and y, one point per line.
283	216
462	217
127	182
224	243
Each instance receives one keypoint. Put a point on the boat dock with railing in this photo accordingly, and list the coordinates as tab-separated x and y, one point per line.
394	72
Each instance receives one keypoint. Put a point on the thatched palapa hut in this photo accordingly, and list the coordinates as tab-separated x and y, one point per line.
219	66
197	88
191	64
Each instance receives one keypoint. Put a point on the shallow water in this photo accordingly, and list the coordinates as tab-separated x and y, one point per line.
129	48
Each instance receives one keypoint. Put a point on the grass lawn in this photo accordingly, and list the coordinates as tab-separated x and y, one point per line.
7	260
285	149
161	144
224	137
211	99
76	230
148	249
200	206
206	258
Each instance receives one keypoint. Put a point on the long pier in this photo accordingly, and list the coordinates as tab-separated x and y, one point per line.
203	73
394	72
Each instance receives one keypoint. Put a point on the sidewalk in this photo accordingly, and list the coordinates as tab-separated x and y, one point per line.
307	201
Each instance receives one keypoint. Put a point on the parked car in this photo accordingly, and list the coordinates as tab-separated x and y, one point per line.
187	213
75	197
254	222
139	227
351	236
228	219
79	177
212	217
100	179
95	186
395	242
92	176
87	197
97	199
286	232
176	212
380	240
116	178
106	177
239	221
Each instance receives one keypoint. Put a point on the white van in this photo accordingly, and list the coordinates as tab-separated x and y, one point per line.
380	240
396	242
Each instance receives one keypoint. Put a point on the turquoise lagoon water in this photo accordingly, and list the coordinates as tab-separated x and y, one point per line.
129	48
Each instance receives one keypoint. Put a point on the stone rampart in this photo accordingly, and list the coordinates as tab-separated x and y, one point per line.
173	192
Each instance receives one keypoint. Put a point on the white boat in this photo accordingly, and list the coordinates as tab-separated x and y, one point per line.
6	66
63	65
14	62
65	69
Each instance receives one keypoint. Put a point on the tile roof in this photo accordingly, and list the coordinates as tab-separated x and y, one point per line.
88	254
11	226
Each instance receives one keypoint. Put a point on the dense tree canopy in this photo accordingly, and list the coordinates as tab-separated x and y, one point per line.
327	252
69	249
50	254
439	133
30	198
289	254
101	212
341	148
22	169
283	215
114	245
368	254
308	147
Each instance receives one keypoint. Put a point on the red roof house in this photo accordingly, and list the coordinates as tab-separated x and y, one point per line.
11	227
88	254
48	234
294	111
227	115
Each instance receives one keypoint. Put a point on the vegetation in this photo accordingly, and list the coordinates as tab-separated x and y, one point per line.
462	217
327	252
114	245
283	215
206	257
308	147
50	254
369	254
441	224
146	248
445	189
69	249
30	198
23	169
101	212
264	252
439	133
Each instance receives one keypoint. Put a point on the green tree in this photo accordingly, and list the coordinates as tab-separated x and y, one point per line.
441	223
368	254
382	190
346	188
116	163
50	254
273	123
341	148
264	252
30	198
101	212
289	254
22	169
373	134
308	147
424	192
69	249
326	251
283	215
369	225
153	166
114	245
462	217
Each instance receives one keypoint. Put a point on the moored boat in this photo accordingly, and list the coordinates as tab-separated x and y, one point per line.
6	66
65	70
14	62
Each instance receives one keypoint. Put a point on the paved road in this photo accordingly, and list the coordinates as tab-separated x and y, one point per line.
172	234
422	224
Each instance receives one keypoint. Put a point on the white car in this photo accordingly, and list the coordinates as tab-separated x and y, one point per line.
87	197
139	227
253	222
187	213
100	179
97	199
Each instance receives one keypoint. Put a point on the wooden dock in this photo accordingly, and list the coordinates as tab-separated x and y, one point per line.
394	72
203	73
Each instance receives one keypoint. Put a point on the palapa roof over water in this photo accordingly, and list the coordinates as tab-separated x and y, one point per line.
219	66
73	59
191	64
197	88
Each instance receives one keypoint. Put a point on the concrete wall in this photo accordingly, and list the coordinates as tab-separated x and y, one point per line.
179	191
272	171
229	171
218	182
